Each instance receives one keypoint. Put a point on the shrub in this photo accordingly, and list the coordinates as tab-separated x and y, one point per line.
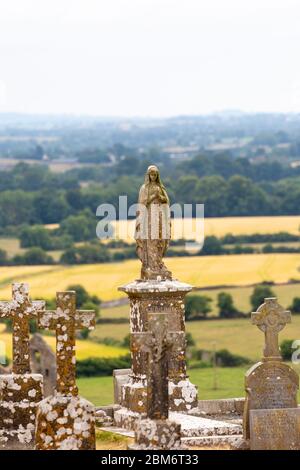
85	301
286	349
85	254
226	306
259	294
295	307
34	256
212	246
197	307
3	257
190	340
98	366
126	341
227	359
36	236
224	358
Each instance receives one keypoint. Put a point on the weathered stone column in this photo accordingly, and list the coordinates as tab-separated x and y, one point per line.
156	431
146	297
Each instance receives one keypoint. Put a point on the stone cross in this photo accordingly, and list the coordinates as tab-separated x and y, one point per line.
20	310
271	318
157	343
65	320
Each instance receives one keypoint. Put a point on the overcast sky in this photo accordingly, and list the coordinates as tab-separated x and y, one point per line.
149	57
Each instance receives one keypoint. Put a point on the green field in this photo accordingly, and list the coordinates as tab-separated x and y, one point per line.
200	271
229	381
237	335
241	296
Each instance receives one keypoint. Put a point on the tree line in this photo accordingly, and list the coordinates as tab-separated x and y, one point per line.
199	306
32	194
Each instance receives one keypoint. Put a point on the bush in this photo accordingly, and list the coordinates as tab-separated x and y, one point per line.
239	250
126	341
259	294
34	256
190	342
224	358
3	257
227	359
212	246
84	300
226	306
286	349
86	254
80	227
98	366
36	236
295	307
230	239
197	307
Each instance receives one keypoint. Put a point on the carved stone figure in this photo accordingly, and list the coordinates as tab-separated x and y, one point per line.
153	227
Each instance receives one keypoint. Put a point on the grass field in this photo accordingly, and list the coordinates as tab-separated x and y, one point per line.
104	279
84	348
12	248
237	335
220	226
241	297
229	381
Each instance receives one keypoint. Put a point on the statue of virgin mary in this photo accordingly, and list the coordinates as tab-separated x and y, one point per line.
153	226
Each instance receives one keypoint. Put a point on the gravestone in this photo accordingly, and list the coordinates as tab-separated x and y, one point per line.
21	390
43	361
121	378
275	429
156	431
270	383
66	421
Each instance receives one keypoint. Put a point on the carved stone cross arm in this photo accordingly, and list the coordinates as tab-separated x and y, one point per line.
65	320
271	318
85	319
20	310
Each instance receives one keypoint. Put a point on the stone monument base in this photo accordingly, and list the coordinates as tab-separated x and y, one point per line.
156	435
19	394
146	298
182	395
65	423
191	426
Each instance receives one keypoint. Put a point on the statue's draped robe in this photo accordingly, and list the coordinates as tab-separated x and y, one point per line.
153	230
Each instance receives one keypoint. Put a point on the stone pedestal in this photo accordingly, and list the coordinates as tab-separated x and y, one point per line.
65	423
156	435
157	297
19	397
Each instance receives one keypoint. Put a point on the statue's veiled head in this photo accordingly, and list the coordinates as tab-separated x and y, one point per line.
152	175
